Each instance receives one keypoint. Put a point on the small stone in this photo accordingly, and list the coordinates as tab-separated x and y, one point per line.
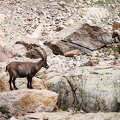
62	3
72	53
116	25
13	118
95	53
69	22
2	18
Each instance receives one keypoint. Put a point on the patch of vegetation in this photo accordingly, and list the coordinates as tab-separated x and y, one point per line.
116	49
105	2
113	49
104	21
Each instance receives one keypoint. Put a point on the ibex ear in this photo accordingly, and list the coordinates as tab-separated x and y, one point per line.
47	42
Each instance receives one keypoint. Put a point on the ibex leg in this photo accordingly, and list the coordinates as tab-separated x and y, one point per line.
29	84
10	81
14	78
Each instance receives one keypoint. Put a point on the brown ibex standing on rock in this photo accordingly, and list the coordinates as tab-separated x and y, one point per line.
26	69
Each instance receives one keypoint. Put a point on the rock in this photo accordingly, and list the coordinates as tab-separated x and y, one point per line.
95	13
2	18
94	62
88	89
5	54
2	37
21	102
116	35
87	38
62	3
4	85
13	118
115	25
37	32
2	118
59	48
59	28
67	31
78	2
32	54
31	41
95	53
72	53
69	116
69	23
17	49
116	31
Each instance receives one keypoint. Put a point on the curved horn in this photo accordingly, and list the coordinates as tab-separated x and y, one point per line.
42	54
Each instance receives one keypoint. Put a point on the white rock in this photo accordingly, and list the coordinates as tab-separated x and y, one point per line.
95	13
2	17
37	32
95	53
112	57
13	118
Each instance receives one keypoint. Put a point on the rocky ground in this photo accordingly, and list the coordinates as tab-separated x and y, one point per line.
87	82
21	18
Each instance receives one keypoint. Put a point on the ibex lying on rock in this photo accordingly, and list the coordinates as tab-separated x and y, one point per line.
26	69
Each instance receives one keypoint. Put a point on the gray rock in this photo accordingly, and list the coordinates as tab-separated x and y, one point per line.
90	89
87	38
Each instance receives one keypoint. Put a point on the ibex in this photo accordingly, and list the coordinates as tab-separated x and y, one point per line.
26	69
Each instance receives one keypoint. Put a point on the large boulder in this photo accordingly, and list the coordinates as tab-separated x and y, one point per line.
25	101
17	49
87	38
90	89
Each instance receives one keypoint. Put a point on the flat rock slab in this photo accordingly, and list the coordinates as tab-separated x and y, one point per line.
69	116
25	101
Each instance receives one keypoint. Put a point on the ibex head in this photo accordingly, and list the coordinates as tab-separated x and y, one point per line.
43	55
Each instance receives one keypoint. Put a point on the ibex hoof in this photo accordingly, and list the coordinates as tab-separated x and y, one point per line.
11	88
30	87
16	88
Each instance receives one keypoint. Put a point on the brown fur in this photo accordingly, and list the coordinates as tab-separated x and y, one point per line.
25	69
